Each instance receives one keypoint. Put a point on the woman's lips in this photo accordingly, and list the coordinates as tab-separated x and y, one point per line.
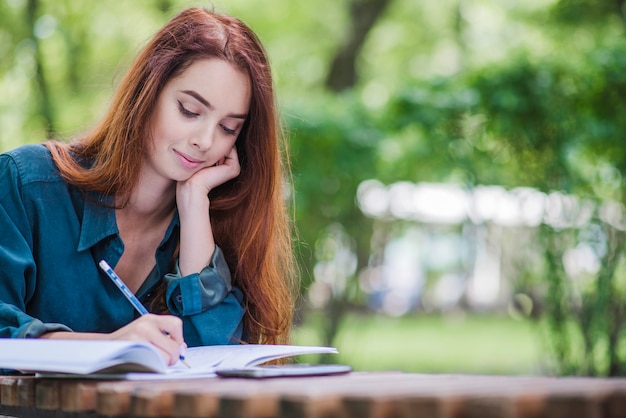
188	161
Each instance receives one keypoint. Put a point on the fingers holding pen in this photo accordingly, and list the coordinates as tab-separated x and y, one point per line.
165	332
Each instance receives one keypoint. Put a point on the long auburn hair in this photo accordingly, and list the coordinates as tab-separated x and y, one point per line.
248	214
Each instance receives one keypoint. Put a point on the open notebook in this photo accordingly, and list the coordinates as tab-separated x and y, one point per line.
131	359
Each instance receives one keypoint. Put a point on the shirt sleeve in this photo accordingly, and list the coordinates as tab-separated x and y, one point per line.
222	324
211	309
197	292
18	269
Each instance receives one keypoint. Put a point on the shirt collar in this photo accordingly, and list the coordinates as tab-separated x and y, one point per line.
98	220
173	227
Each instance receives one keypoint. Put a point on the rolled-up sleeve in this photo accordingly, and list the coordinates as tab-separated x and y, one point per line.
197	292
211	309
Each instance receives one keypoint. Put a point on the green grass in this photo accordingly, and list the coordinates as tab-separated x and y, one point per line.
432	344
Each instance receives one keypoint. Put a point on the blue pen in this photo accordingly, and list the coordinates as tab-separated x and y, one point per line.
129	295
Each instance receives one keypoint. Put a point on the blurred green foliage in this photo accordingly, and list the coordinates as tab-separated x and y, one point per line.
491	344
468	92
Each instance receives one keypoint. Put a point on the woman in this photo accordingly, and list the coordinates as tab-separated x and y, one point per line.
179	188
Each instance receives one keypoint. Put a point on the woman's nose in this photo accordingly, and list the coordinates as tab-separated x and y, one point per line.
203	138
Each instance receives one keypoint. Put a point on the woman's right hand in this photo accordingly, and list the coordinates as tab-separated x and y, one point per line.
165	332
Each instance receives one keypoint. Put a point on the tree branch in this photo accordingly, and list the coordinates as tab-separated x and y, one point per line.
365	13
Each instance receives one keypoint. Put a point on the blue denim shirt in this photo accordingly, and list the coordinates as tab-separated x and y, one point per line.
52	237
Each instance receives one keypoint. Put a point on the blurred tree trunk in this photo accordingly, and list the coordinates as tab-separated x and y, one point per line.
608	311
558	309
165	6
364	14
339	306
459	32
45	105
621	10
581	11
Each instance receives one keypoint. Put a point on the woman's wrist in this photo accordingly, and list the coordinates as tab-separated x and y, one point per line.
197	244
191	201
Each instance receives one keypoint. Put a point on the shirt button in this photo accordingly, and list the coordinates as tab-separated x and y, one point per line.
179	298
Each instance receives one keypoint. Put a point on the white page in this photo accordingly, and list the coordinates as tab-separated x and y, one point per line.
205	361
74	356
209	358
251	354
82	357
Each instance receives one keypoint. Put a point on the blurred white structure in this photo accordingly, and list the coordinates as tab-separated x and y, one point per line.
437	241
450	204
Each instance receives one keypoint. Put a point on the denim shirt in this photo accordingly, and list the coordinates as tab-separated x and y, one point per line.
52	237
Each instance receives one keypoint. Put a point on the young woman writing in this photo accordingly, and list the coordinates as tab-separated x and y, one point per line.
179	188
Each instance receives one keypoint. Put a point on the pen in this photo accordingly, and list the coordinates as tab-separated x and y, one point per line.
130	296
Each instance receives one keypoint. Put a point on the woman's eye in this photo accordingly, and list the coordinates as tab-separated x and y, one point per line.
186	112
228	130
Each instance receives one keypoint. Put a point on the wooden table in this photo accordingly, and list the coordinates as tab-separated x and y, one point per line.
358	394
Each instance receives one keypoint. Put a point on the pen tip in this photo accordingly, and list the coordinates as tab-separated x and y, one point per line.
182	360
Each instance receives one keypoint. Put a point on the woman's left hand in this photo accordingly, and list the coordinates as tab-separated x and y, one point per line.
196	234
203	181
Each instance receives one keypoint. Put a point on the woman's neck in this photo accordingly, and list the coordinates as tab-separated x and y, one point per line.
149	204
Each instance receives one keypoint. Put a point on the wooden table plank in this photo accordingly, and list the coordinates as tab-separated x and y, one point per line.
79	396
47	394
228	397
615	403
418	395
588	403
204	399
18	396
18	391
123	398
254	397
327	398
26	391
152	402
113	398
476	396
8	391
358	394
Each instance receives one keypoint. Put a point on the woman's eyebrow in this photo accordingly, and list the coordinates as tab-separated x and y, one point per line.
206	103
198	97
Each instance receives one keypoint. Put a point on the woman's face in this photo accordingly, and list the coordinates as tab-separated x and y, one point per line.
197	119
